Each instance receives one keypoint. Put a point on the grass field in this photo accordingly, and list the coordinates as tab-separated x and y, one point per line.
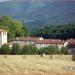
36	65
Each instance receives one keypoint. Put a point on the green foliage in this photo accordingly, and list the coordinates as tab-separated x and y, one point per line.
29	49
49	50
64	51
15	49
44	12
57	32
32	50
5	49
14	28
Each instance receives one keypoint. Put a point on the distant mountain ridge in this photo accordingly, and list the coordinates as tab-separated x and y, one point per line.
36	13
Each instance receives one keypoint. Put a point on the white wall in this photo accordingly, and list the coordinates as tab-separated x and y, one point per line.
3	38
23	43
45	45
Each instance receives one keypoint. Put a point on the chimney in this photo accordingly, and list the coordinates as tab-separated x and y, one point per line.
41	38
59	40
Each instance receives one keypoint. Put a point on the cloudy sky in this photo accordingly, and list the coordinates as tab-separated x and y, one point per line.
41	0
3	0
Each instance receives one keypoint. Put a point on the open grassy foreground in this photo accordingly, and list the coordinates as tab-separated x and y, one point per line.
36	65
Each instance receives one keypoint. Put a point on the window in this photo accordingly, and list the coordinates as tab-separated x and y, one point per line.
5	33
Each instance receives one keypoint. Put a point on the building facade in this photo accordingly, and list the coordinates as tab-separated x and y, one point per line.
38	41
3	37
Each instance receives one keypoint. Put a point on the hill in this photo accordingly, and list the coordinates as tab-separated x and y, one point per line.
66	31
36	13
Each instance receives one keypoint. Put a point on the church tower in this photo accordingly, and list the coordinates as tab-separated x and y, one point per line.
3	37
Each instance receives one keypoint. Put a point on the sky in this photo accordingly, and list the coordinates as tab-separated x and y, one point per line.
3	0
41	0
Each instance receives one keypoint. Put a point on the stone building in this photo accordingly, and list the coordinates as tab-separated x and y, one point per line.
3	37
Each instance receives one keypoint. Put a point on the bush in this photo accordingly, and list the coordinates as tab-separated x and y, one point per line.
64	51
48	50
15	49
29	49
5	49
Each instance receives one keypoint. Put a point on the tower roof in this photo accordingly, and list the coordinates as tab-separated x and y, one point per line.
2	30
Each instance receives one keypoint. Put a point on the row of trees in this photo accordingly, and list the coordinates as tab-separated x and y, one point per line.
56	32
31	50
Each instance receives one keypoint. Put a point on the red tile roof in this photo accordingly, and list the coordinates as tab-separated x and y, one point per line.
1	30
39	41
71	43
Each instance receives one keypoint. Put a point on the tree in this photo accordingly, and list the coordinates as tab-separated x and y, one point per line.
66	31
29	49
5	49
53	49
14	28
16	49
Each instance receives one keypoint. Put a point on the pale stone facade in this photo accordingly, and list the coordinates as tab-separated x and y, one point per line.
39	42
3	37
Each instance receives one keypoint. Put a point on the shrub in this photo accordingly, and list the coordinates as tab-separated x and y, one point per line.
5	49
29	49
48	50
64	51
24	50
15	49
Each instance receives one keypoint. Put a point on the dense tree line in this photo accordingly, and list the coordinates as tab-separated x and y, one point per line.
57	32
14	28
31	50
49	50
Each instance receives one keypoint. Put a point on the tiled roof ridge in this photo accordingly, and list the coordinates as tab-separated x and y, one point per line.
42	41
2	30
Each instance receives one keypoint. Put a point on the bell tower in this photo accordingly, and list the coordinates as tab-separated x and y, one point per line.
3	37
